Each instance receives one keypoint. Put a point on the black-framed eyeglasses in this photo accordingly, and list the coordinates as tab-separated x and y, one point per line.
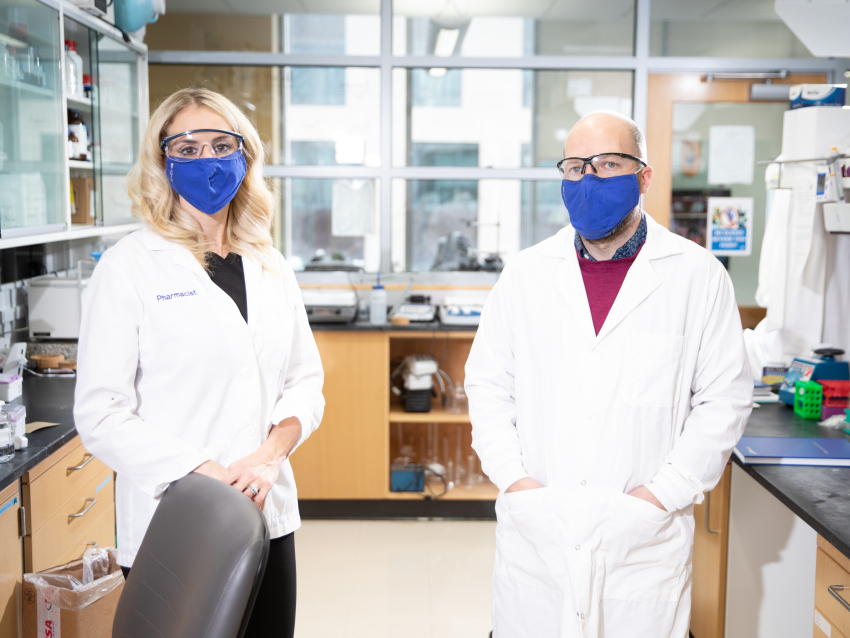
603	165
189	145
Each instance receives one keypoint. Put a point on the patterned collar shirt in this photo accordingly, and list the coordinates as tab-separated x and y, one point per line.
626	250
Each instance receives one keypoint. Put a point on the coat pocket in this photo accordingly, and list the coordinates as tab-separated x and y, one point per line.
652	370
644	552
529	547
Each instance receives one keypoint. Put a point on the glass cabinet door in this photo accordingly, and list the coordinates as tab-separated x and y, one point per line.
118	104
32	147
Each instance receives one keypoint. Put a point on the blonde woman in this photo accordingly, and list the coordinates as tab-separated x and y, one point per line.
195	354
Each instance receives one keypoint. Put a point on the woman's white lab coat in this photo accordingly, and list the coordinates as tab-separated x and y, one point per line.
659	398
170	375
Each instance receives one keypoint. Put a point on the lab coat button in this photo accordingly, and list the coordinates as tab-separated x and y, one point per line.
578	547
250	431
584	482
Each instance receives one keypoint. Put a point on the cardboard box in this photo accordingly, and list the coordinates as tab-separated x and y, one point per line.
85	613
805	95
82	208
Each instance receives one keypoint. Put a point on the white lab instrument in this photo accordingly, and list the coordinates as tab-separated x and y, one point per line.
416	308
836	217
170	376
330	306
594	416
7	439
11	386
55	305
417	372
461	311
828	187
13	358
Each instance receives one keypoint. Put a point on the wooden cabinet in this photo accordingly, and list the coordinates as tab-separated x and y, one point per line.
69	500
711	538
11	573
349	456
832	592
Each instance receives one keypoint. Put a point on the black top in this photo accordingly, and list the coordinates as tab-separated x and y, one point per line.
228	274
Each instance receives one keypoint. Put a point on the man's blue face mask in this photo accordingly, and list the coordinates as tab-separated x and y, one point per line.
599	201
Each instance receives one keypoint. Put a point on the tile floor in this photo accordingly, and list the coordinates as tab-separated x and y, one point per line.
394	579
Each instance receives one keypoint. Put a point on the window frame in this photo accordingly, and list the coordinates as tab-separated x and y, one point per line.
640	63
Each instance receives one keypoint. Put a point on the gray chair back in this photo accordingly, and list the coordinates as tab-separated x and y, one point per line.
200	565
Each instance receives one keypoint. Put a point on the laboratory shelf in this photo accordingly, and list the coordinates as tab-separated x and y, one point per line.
485	491
27	88
78	101
438	414
78	232
81	165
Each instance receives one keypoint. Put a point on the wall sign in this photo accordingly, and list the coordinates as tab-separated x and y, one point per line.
730	226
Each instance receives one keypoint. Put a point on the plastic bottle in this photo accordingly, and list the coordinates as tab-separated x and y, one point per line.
73	70
378	304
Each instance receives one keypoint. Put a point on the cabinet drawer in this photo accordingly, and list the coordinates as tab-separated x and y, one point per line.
63	533
48	492
11	568
824	628
102	533
831	573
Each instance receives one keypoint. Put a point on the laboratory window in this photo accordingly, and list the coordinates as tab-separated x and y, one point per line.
468	225
514	117
740	29
513	28
304	115
216	29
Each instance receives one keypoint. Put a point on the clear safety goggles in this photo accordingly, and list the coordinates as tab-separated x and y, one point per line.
207	142
604	165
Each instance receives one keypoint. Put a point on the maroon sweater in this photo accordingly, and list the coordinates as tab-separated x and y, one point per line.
602	282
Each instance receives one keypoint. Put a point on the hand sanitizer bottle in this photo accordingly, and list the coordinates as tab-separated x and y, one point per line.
378	304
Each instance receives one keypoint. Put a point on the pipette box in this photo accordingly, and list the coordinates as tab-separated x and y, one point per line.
407	478
11	386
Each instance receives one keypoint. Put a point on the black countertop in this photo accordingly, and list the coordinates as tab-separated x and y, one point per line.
818	495
416	326
46	399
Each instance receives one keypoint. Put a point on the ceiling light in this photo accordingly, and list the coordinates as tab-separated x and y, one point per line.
446	41
437	72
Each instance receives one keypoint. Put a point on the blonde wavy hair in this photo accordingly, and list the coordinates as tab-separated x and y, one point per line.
155	203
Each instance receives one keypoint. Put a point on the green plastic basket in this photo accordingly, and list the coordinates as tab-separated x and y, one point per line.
808	399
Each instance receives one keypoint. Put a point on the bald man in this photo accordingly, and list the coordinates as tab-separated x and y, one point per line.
608	384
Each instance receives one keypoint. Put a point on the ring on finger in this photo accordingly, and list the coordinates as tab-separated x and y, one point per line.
254	490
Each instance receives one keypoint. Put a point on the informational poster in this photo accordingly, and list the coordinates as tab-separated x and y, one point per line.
731	154
730	226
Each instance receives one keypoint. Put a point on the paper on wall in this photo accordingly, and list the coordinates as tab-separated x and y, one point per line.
729	226
353	208
802	222
731	154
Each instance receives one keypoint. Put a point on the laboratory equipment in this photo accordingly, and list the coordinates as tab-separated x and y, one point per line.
17	417
73	70
416	308
55	305
95	7
378	304
828	187
835	397
330	306
11	386
409	477
808	399
821	365
461	311
7	438
13	358
132	15
458	401
417	383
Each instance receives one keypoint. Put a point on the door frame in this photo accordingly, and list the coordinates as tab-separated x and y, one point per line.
665	90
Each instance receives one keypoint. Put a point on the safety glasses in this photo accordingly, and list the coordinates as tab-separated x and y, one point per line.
189	145
604	165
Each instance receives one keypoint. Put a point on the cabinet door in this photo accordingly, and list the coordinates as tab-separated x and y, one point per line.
711	537
118	112
11	566
33	189
347	457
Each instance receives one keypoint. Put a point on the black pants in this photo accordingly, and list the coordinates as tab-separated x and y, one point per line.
274	610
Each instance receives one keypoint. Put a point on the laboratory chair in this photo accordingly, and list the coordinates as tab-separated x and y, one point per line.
200	565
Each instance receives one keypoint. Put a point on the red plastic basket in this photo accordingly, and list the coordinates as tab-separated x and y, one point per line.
835	393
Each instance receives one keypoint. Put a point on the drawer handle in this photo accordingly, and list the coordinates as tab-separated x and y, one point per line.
836	588
83	464
91	502
708	513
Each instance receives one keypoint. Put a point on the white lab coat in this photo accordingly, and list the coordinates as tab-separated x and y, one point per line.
170	375
659	398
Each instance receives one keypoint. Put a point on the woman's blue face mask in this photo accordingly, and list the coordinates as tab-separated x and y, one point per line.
598	205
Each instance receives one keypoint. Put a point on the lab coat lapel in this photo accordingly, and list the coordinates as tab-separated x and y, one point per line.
252	265
570	283
641	280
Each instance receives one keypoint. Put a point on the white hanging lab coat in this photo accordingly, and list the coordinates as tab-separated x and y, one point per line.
659	398
170	375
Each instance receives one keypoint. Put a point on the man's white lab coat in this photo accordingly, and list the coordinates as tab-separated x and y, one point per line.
170	375
659	398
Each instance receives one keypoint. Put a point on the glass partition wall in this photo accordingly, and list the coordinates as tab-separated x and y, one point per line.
402	128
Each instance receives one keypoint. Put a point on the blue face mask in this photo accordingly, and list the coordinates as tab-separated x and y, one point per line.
596	205
208	183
